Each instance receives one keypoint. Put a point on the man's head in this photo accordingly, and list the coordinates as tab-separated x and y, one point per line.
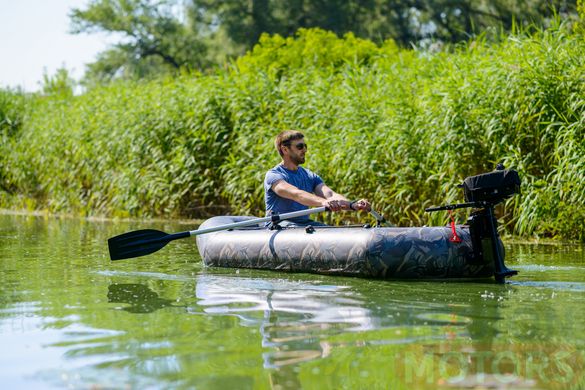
289	143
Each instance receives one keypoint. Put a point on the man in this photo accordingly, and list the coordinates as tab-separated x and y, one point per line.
289	187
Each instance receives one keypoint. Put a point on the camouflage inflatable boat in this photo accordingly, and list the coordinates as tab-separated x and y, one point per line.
471	251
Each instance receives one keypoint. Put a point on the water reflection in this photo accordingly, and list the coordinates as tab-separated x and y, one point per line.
450	333
293	317
302	321
139	297
460	334
453	333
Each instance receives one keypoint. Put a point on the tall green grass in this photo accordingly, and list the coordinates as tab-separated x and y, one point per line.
399	127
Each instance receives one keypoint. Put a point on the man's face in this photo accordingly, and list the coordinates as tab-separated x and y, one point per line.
297	150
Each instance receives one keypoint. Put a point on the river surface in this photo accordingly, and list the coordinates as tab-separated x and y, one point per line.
71	318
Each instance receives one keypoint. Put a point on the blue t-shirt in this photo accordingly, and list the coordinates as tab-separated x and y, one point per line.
302	178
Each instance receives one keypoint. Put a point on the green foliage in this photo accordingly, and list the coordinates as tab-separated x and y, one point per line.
581	8
580	23
13	107
60	84
399	127
161	37
314	48
132	149
406	22
155	41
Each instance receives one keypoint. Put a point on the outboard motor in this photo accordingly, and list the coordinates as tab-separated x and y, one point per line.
484	192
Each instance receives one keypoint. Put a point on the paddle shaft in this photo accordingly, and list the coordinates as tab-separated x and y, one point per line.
146	241
256	221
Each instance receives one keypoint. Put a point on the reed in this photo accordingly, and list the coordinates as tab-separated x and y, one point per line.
400	127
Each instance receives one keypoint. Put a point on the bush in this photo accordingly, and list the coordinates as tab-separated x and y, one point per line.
399	127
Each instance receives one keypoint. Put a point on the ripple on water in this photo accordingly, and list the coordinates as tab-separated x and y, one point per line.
147	275
444	318
555	285
547	268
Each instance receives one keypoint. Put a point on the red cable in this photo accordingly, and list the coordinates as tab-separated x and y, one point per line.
454	237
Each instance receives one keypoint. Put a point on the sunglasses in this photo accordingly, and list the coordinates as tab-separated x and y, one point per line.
300	146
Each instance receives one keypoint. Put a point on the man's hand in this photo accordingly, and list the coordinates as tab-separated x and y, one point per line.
336	204
343	204
361	204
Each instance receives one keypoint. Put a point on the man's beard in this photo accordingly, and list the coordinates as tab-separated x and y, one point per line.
298	160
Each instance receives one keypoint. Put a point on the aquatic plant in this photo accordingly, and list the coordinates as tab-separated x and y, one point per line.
400	127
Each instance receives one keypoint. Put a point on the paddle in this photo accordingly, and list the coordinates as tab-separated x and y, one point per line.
143	242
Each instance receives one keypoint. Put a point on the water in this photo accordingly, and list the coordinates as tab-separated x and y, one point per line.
71	318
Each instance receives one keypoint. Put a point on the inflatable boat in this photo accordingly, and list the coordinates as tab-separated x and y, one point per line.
471	251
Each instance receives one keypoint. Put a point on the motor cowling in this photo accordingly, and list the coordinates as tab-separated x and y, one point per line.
492	187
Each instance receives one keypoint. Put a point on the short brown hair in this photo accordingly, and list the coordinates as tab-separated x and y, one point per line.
284	138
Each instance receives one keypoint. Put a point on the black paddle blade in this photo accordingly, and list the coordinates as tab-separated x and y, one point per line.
137	243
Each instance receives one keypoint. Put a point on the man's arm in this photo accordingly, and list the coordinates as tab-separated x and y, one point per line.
327	193
288	191
324	191
324	196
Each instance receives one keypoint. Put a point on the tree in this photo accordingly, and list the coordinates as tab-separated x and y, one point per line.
154	37
165	36
405	21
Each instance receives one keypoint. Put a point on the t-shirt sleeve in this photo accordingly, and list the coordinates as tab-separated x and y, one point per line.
271	178
316	180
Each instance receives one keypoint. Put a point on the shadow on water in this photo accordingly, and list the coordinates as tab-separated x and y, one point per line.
139	297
